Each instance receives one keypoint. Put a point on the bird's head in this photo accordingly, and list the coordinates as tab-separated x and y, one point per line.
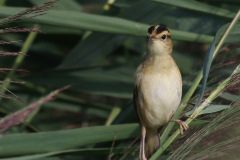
159	40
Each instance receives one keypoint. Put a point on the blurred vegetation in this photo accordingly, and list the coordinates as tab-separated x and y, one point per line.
96	45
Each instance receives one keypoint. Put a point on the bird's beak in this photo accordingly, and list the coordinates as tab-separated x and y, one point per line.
151	38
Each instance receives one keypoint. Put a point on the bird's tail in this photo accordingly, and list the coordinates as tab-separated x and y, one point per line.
152	142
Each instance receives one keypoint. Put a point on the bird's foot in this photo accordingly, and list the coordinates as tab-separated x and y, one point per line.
182	125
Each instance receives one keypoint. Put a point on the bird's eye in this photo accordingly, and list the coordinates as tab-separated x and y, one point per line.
164	36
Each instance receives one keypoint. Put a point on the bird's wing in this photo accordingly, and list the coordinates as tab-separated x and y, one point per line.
135	98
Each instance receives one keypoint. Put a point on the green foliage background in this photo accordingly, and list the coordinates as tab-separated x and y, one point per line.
96	45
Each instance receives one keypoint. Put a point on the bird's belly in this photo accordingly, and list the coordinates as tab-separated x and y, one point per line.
159	99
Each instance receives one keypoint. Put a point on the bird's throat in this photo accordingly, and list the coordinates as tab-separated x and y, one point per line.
157	48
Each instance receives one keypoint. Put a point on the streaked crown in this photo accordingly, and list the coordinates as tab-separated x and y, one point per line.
158	32
159	40
157	29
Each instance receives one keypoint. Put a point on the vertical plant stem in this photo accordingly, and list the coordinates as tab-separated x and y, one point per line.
189	94
27	44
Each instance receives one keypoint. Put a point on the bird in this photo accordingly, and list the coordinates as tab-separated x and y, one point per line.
157	89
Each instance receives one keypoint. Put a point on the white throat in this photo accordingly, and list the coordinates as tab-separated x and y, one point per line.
158	48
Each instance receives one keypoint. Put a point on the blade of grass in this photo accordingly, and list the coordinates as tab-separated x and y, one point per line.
206	67
116	81
210	109
61	5
115	111
43	142
198	6
97	151
67	97
79	20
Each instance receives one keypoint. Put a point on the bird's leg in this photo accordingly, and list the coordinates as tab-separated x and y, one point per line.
142	146
182	125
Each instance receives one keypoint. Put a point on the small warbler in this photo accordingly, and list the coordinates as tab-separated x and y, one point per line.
158	89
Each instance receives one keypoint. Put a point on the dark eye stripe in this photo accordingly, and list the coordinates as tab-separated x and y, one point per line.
150	30
160	29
